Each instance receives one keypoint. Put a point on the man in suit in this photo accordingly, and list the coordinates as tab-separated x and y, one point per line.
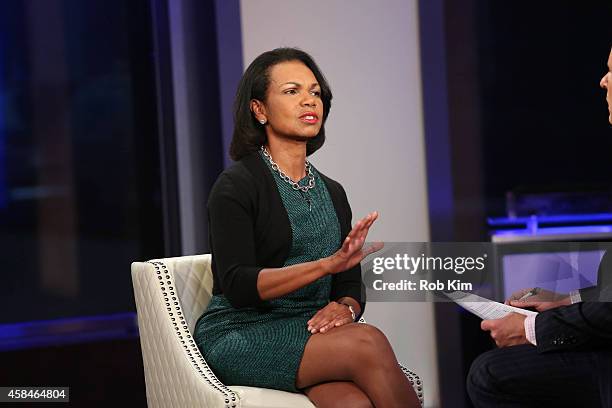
562	356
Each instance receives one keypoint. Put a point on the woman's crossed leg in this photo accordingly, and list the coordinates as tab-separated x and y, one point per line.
353	365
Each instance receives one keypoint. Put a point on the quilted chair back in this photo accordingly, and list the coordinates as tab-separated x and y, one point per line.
194	283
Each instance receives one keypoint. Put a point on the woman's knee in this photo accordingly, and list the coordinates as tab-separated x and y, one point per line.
370	336
369	345
345	353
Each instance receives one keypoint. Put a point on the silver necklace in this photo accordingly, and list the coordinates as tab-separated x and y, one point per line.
287	179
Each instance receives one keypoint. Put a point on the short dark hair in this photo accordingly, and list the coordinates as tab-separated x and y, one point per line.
249	135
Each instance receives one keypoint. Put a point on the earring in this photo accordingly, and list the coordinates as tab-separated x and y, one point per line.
262	121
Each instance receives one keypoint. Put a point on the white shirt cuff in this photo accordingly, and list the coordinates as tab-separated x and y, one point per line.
530	329
575	296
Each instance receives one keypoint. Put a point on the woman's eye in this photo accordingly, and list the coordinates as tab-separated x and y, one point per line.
316	93
290	91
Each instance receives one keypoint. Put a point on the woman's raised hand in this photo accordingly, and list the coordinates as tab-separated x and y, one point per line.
352	250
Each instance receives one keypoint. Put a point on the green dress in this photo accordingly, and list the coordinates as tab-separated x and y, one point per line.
263	347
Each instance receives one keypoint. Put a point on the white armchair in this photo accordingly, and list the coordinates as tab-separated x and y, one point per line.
171	294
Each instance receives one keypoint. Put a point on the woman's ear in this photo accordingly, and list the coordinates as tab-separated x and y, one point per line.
259	111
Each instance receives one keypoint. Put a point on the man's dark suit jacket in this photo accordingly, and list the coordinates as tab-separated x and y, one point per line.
585	326
249	230
581	326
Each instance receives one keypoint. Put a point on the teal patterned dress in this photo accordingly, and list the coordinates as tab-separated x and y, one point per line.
264	347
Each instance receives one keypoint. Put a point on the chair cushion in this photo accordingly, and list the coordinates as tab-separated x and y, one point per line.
252	397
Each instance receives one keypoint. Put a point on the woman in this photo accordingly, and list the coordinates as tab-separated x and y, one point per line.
287	281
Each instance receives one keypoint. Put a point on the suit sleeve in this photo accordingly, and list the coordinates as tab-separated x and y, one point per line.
349	282
232	242
581	326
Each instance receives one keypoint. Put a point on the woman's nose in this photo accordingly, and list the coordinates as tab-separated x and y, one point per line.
604	81
309	100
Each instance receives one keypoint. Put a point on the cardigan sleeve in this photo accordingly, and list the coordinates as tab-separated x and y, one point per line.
232	242
348	283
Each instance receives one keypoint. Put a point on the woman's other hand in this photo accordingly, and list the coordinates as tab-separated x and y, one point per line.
353	251
333	315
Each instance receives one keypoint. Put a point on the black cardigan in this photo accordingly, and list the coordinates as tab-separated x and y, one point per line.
249	230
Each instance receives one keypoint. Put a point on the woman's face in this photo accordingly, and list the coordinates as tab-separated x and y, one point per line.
293	108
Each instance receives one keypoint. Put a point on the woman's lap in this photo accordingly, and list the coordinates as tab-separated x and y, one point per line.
331	356
265	354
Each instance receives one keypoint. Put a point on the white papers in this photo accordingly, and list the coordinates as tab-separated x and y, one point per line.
485	308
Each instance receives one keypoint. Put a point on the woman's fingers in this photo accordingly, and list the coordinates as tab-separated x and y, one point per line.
351	240
374	247
320	325
341	322
321	318
372	217
365	221
363	225
313	322
364	232
370	220
355	230
327	318
346	244
355	239
351	246
327	327
316	328
362	236
338	321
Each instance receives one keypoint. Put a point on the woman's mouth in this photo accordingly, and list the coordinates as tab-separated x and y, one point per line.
309	117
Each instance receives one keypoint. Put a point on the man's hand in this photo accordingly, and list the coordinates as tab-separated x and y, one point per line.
332	315
507	331
541	301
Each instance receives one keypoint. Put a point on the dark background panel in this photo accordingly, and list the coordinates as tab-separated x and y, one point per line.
544	117
82	164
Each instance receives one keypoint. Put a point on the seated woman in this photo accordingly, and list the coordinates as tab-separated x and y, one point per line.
287	280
